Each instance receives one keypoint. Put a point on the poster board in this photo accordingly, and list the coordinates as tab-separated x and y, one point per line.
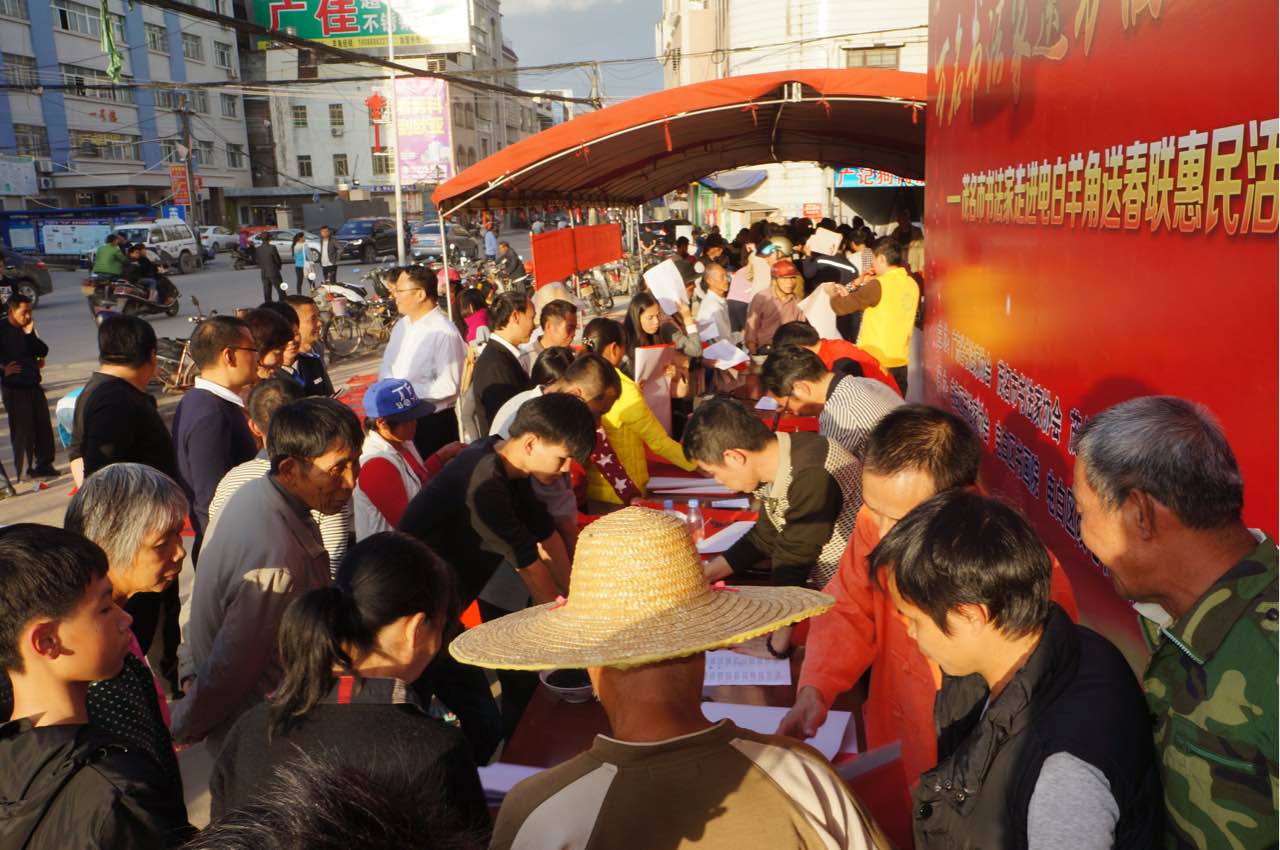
1096	234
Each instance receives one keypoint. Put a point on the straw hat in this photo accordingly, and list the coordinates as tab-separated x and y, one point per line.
637	596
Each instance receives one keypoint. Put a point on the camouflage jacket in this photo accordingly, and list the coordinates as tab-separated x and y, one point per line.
1211	687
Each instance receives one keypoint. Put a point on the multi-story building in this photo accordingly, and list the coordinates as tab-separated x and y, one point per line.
709	39
106	146
309	141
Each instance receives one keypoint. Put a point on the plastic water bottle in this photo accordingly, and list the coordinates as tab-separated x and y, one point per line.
694	518
669	507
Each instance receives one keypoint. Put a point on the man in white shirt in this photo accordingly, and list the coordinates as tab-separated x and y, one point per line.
715	306
328	255
426	350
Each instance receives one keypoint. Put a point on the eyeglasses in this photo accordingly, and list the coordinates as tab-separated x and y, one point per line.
253	351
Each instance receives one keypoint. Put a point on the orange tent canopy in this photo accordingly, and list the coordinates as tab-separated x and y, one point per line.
641	148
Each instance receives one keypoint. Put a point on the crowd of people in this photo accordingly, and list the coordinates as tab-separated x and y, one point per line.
500	462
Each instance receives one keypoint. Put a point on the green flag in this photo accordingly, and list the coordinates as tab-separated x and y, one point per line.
115	60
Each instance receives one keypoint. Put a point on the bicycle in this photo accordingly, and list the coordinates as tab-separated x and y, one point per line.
175	368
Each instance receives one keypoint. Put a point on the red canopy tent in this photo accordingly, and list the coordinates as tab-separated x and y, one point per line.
637	150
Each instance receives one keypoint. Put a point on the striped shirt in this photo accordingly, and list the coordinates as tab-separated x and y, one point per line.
724	788
335	529
854	407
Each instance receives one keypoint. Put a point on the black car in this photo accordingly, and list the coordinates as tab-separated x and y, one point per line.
366	239
26	274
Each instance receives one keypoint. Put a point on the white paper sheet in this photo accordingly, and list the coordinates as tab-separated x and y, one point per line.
740	287
667	285
726	667
765	719
817	309
767	402
725	537
698	488
725	354
707	330
652	361
732	504
823	241
499	778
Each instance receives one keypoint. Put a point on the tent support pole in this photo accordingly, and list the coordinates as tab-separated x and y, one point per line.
444	270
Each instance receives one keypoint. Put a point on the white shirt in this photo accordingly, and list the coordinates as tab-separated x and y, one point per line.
517	353
501	425
429	354
716	309
324	253
219	390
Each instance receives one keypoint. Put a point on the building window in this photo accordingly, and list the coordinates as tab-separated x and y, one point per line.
198	101
300	115
78	78
20	70
336	118
460	158
169	151
304	166
193	47
381	161
871	57
157	38
222	54
202	153
75	17
235	156
340	165
484	148
94	145
30	140
230	105
13	9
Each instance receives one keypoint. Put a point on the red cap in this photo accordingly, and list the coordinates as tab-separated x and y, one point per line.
785	268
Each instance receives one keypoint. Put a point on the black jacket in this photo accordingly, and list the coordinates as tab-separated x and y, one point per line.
115	423
382	724
23	348
268	260
314	375
1076	694
511	265
76	786
498	376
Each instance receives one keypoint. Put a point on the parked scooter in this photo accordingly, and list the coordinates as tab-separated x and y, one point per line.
358	314
243	257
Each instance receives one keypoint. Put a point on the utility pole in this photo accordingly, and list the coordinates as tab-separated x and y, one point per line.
193	196
395	135
597	86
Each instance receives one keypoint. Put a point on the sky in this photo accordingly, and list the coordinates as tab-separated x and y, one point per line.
549	31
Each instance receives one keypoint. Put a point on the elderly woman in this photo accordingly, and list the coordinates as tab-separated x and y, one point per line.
135	514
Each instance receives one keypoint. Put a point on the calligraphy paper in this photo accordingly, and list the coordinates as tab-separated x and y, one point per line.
817	309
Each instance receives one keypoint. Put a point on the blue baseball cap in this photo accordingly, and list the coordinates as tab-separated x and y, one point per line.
395	401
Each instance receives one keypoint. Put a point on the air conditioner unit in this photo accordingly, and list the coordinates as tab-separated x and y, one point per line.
46	182
336	132
44	165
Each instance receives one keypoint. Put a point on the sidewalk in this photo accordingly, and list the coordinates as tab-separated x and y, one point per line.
49	505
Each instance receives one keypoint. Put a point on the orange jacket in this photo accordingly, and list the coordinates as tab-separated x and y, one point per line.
865	630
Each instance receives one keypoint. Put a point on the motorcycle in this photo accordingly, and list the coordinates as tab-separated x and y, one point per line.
360	315
116	294
243	257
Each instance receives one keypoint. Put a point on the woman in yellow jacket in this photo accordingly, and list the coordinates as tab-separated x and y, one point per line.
630	425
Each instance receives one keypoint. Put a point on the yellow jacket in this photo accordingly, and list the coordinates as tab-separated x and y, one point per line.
886	327
630	425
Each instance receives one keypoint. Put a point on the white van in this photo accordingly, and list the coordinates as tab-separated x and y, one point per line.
171	235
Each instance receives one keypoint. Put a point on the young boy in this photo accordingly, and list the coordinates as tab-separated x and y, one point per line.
64	782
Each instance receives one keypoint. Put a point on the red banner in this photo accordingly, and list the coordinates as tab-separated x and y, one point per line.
553	256
1101	224
597	244
559	253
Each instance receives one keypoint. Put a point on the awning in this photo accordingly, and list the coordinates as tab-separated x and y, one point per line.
735	181
743	205
641	148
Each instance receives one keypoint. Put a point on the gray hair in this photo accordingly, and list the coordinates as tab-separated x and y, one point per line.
1170	448
118	506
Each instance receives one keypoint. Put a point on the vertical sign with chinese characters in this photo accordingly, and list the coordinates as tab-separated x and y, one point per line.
422	107
1101	223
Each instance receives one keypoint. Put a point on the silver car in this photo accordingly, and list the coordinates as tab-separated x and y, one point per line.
217	238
